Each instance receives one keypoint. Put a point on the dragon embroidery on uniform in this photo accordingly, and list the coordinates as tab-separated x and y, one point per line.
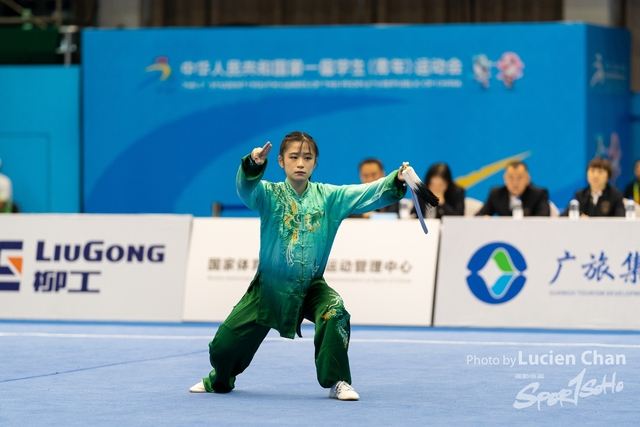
338	314
293	222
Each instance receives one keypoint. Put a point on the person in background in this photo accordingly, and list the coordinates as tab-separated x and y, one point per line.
599	198
517	185
372	169
6	193
633	189
440	183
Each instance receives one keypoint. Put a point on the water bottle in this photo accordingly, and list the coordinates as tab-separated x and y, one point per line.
630	211
517	212
216	209
404	208
574	209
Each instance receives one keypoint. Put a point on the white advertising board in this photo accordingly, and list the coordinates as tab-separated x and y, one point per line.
384	270
223	258
539	273
93	267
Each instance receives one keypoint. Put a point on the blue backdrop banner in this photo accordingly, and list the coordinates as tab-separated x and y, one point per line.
169	113
40	136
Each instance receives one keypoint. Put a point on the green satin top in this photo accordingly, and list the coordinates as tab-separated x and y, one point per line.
297	232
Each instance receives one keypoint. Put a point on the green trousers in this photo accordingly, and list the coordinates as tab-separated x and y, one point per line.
239	336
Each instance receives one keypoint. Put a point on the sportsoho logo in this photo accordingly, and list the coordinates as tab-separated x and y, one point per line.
496	273
10	265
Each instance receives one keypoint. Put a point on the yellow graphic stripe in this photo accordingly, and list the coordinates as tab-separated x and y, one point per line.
166	70
475	177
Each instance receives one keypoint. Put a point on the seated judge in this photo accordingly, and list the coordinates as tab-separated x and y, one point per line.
517	185
370	170
599	198
440	183
633	189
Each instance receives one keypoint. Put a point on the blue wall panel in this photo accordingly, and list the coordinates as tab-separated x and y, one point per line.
609	100
166	123
635	131
40	136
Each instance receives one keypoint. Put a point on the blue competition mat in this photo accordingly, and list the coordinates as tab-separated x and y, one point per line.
56	373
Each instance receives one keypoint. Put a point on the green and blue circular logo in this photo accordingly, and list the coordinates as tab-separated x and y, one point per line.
496	273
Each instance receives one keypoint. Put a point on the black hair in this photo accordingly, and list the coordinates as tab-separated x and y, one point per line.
515	164
298	137
441	170
600	163
371	160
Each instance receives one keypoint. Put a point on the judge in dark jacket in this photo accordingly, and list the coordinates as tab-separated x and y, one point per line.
599	198
440	183
517	185
372	169
633	189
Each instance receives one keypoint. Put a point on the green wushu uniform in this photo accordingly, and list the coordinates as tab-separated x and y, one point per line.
296	235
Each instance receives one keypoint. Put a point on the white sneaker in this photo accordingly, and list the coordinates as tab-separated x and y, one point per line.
343	391
198	388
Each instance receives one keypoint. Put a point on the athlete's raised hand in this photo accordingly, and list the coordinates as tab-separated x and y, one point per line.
259	155
402	169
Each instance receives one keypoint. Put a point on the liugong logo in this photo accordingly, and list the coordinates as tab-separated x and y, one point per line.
10	265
